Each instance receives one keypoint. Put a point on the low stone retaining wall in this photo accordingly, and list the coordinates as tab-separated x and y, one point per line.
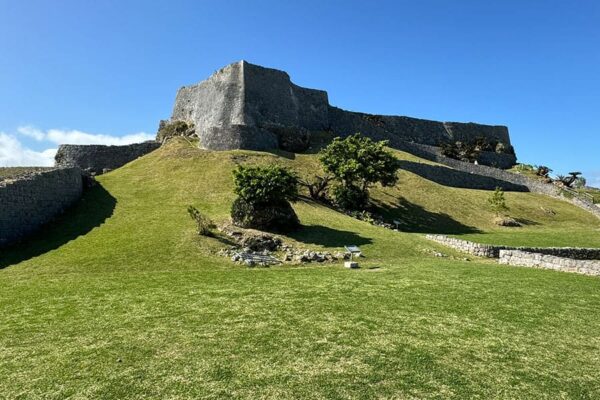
537	260
97	158
493	251
29	201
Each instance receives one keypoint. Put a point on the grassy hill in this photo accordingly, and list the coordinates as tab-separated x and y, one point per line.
121	299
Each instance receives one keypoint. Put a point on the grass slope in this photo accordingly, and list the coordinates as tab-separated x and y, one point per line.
120	299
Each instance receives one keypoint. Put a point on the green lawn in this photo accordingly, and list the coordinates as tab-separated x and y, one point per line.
120	299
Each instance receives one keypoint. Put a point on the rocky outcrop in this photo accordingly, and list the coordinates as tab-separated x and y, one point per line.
246	106
97	159
172	129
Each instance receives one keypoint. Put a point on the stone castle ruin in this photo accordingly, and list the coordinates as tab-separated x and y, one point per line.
245	106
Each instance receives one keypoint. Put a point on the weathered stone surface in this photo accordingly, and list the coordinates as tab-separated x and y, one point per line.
33	200
171	129
248	106
254	240
538	260
506	221
97	158
293	139
493	251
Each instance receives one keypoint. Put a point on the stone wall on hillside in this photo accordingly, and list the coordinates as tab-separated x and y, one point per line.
32	200
410	129
244	106
98	158
474	176
456	178
538	260
493	251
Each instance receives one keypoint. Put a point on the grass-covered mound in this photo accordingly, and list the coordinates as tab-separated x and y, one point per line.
122	299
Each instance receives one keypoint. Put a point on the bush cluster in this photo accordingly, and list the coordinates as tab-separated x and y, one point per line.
265	185
263	199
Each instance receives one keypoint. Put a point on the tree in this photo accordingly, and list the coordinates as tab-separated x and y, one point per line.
569	180
580	182
356	163
543	171
263	199
317	187
497	202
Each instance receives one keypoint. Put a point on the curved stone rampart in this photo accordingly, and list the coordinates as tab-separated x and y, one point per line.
32	200
98	158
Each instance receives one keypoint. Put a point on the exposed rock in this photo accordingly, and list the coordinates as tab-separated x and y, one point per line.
170	129
252	240
506	221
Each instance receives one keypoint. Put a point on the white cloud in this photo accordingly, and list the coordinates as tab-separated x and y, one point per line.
13	153
31	132
59	136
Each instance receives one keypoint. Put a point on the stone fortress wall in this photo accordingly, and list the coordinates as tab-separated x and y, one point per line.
246	106
481	176
31	200
493	251
98	158
538	260
567	259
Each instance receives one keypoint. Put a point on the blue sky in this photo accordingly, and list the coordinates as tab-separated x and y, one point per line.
107	71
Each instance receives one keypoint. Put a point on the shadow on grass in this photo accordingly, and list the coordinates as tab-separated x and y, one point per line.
328	237
282	153
525	221
414	218
90	211
459	179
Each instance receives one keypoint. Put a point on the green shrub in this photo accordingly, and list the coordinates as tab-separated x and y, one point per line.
356	163
263	198
497	202
265	185
350	197
279	216
204	224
